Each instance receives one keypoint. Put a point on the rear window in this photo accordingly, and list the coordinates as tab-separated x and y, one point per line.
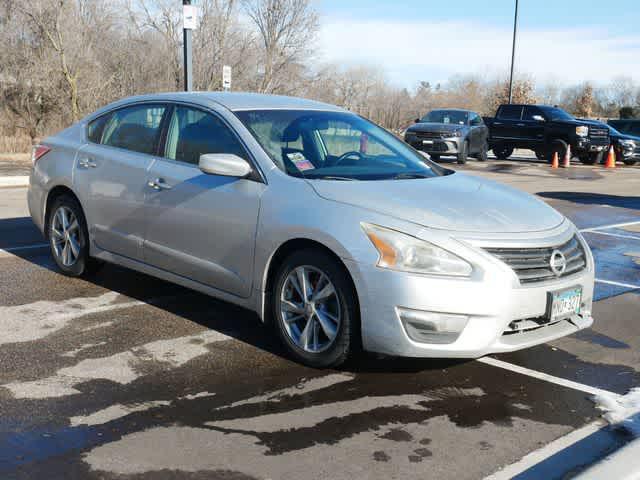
510	112
135	128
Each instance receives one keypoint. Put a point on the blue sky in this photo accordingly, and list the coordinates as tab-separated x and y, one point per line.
561	41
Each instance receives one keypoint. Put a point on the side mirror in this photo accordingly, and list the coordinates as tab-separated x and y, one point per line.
417	120
538	118
225	164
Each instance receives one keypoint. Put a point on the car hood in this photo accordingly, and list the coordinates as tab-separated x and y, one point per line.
435	127
454	202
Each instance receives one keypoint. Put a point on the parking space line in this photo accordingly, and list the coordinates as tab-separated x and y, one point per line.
8	252
545	377
598	232
617	284
614	225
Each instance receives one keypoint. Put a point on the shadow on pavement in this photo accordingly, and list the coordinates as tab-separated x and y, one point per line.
587	198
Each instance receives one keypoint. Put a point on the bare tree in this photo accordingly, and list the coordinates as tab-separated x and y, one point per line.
286	30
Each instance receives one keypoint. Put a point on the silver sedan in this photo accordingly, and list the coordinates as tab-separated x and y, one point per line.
335	232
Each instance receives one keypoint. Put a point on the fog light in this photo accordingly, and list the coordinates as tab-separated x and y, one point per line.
432	327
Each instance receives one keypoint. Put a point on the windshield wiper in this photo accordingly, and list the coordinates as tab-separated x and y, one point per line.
332	177
405	176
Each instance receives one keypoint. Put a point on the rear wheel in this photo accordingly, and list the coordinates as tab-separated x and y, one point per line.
315	309
463	153
434	156
482	155
69	238
541	155
502	152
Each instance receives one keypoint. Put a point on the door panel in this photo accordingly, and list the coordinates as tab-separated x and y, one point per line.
532	130
202	227
505	126
111	173
113	182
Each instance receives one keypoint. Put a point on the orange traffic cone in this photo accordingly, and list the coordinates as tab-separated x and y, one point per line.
566	162
611	159
554	160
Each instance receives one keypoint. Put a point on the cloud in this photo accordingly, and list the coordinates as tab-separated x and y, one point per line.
433	51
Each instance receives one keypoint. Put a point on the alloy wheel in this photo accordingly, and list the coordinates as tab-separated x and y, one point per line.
310	309
65	236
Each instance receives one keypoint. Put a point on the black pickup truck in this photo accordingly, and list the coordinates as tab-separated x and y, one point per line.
545	130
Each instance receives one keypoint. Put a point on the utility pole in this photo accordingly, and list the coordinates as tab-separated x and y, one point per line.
513	52
188	18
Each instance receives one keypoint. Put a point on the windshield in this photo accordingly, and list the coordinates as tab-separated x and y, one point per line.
334	146
558	115
446	116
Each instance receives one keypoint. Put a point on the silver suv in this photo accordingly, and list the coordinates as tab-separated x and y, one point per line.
330	228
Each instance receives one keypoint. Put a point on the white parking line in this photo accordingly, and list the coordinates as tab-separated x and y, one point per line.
617	284
545	377
613	234
614	225
8	252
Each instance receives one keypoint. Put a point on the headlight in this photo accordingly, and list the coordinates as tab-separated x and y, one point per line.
582	131
399	251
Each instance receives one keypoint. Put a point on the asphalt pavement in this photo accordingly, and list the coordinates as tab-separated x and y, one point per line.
123	376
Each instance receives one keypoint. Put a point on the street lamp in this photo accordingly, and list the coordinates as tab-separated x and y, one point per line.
513	52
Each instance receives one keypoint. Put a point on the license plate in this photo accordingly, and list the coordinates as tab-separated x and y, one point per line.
564	303
427	142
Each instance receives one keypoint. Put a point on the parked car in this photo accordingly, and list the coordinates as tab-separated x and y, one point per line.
629	126
626	147
334	231
461	133
545	130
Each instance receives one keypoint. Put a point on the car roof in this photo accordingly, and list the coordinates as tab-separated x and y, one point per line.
451	110
234	101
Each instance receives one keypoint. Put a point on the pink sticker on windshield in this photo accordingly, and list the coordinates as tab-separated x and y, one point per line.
300	162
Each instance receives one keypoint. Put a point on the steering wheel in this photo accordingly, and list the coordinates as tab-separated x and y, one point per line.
346	155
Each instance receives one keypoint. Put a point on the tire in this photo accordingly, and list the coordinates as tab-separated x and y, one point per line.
319	351
502	152
630	163
559	147
541	155
76	262
463	153
483	154
592	158
435	157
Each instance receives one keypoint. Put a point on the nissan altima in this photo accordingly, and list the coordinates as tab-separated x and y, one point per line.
336	233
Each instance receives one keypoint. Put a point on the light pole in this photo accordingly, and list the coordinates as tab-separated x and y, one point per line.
187	19
513	52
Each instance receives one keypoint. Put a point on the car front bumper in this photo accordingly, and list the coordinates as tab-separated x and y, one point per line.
490	305
437	146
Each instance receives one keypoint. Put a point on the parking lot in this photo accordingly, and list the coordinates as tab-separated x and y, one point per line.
127	377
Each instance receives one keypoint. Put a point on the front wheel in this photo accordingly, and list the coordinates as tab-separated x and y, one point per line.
592	158
69	238
315	309
502	153
434	157
541	155
630	162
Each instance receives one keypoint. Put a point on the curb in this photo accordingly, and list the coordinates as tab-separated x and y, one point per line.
21	181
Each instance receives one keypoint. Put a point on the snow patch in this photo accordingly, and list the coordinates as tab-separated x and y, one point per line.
622	411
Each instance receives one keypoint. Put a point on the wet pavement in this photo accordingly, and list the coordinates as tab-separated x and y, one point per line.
127	377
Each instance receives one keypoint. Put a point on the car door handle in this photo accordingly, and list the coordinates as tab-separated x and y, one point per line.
159	184
497	123
87	163
520	125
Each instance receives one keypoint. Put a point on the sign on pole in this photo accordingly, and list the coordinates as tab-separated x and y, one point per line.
226	77
190	17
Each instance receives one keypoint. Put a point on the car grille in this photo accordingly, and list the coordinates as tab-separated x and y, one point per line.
534	264
432	135
599	135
